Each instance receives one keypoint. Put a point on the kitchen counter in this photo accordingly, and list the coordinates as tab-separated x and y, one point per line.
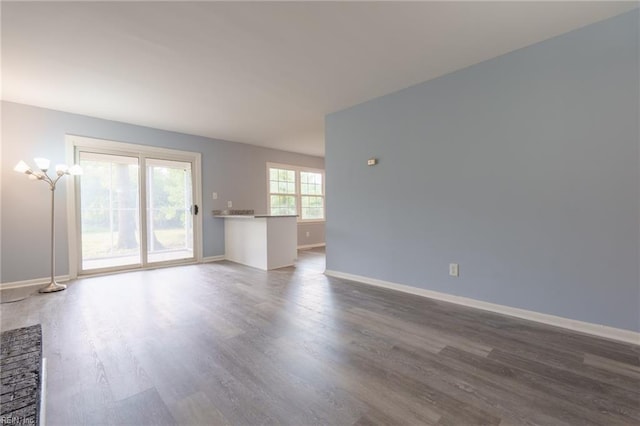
250	216
262	241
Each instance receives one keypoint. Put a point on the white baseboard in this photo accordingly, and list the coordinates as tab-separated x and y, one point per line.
34	282
310	246
43	394
212	259
613	333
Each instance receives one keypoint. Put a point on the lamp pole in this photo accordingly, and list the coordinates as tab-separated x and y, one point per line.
53	285
61	170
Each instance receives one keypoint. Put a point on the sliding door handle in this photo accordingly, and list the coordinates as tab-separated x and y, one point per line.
194	209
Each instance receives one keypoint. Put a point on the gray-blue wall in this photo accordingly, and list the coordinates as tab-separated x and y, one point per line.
523	169
236	171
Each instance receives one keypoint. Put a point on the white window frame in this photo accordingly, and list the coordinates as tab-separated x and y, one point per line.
298	195
75	143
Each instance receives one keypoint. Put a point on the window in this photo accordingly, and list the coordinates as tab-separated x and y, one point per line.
282	191
311	196
296	191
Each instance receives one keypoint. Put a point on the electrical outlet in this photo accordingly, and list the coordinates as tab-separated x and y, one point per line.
229	204
308	234
215	195
454	269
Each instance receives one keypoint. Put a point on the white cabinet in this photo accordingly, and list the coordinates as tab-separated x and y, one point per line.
265	242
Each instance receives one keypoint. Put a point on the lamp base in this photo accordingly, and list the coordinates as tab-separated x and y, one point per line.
53	286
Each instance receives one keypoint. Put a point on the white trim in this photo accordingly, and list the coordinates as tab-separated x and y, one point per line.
209	259
294	167
126	148
34	282
143	212
309	246
43	393
198	233
73	236
613	333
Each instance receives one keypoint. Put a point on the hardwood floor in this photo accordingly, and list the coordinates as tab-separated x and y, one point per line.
220	343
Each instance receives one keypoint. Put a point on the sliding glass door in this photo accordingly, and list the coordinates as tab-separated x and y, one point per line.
169	210
109	211
134	211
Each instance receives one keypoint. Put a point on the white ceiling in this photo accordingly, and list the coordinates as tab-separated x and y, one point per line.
261	73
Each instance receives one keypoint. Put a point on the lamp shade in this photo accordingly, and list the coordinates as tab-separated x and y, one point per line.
62	168
22	167
75	170
42	163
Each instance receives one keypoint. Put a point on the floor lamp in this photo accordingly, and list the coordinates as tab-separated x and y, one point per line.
61	170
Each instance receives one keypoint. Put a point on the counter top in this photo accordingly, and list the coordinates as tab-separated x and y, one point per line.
251	216
233	212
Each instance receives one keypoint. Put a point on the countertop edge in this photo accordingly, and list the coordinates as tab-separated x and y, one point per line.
251	216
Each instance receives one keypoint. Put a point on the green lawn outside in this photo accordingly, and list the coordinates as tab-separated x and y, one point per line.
98	244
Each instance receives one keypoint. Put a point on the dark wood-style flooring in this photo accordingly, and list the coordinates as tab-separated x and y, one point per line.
221	343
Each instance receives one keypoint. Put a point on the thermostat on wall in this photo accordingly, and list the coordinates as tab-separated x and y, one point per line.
372	161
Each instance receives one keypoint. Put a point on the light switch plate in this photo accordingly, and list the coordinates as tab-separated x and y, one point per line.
453	269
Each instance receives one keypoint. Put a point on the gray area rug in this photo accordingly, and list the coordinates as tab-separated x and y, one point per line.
20	376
